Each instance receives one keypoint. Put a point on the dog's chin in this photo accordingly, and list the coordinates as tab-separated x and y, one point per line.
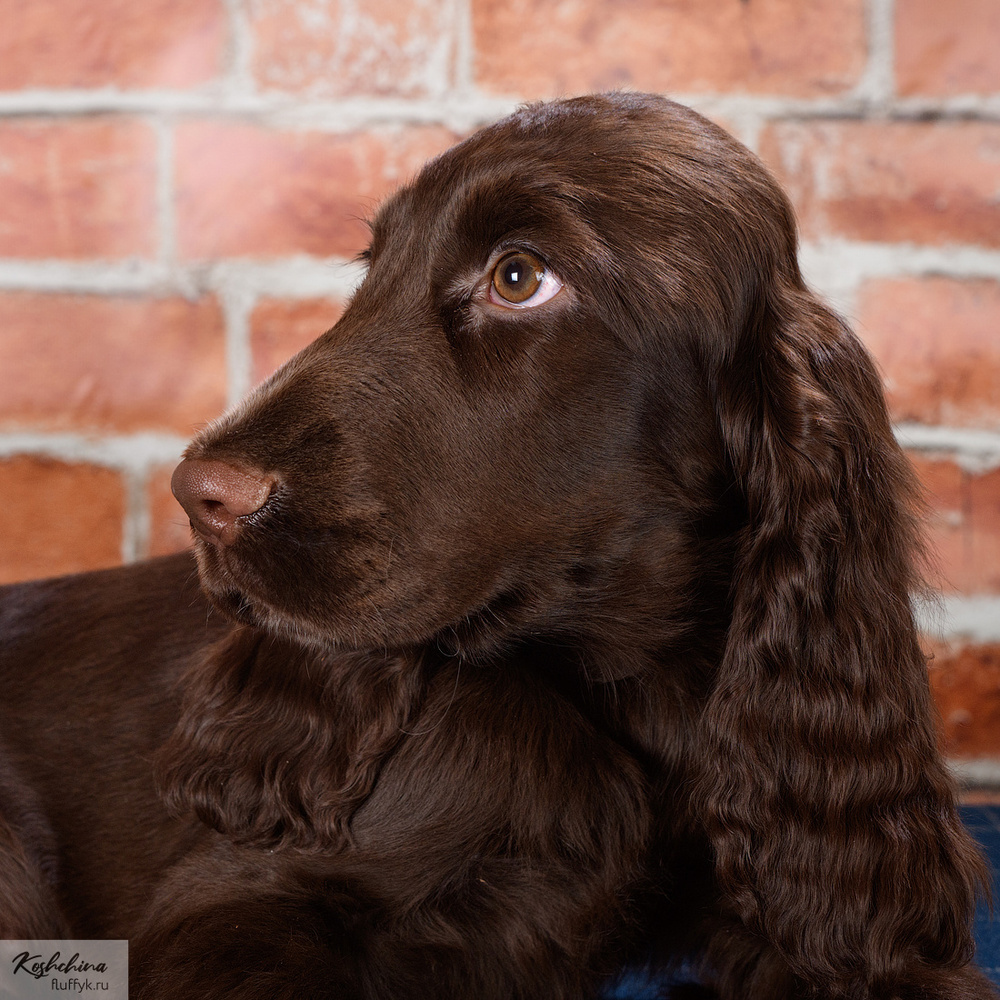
345	629
360	617
247	611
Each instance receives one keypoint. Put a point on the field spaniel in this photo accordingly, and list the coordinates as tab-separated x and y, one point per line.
552	612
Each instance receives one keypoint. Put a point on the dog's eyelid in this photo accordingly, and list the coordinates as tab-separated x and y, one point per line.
511	246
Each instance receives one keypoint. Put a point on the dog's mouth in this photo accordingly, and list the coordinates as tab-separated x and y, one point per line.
240	593
296	596
227	592
239	603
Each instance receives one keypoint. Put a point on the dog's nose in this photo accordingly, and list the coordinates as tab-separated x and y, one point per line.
216	495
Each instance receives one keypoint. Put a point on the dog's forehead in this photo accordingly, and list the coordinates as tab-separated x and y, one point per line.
517	172
489	166
615	149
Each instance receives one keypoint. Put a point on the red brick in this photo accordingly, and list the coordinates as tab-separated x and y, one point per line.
246	190
83	188
984	531
383	47
83	362
937	342
963	525
945	522
94	43
543	48
965	681
943	49
169	528
58	518
280	328
926	182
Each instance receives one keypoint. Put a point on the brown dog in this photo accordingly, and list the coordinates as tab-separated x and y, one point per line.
565	619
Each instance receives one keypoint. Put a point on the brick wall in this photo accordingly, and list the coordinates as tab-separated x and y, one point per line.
181	183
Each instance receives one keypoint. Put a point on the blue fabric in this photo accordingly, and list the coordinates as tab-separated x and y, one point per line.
638	986
983	823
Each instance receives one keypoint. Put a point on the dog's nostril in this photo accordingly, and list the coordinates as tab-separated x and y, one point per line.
216	494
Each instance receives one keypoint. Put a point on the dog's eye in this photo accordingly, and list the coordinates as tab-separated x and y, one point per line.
521	280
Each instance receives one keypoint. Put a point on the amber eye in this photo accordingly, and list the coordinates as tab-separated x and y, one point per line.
518	276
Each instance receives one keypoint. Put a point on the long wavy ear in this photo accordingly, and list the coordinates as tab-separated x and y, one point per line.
830	811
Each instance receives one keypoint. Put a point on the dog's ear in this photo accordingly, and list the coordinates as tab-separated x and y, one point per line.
278	744
829	808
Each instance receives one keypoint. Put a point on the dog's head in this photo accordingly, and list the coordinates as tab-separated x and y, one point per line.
513	430
583	402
